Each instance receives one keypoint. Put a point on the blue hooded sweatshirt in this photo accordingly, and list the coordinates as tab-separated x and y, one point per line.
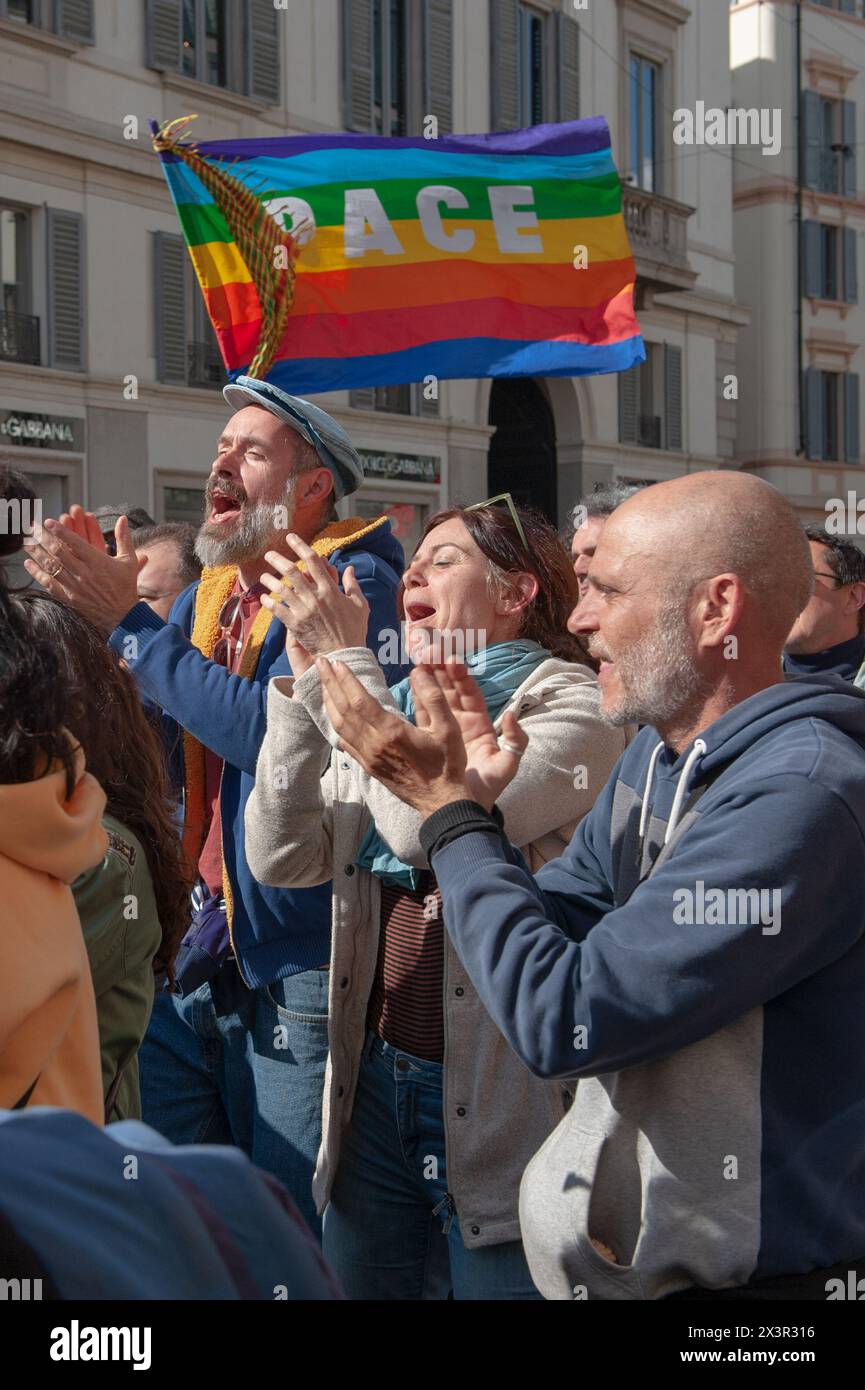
275	931
697	959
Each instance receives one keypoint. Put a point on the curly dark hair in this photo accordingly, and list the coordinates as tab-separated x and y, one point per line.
122	750
493	531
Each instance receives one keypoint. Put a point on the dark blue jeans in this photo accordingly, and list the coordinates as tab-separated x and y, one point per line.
383	1236
230	1065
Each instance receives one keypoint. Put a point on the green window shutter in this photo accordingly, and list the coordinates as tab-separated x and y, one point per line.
812	120
673	396
851	417
164	29
439	62
629	392
848	136
568	67
357	52
74	19
812	259
851	287
504	68
169	280
813	386
66	299
262	28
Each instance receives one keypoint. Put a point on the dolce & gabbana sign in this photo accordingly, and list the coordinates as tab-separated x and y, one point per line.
30	429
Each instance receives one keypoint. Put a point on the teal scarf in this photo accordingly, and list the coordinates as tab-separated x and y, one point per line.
499	670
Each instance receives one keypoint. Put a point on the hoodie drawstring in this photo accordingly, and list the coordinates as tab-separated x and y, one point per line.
696	753
644	809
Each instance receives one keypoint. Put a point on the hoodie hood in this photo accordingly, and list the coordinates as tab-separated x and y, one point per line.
797	700
41	830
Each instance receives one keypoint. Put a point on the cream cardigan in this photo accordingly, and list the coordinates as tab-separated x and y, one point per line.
305	821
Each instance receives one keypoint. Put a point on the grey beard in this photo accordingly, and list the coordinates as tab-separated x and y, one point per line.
658	674
251	539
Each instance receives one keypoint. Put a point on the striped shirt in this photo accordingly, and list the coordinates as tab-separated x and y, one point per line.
406	1006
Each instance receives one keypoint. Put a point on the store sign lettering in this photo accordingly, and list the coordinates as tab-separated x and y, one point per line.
45	431
409	468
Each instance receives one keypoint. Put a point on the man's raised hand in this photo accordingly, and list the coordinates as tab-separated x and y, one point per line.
101	587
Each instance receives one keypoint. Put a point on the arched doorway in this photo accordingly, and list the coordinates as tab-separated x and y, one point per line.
522	455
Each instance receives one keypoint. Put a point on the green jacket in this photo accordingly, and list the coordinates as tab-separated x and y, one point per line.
122	933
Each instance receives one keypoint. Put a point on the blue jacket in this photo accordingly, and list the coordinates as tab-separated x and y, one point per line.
156	1221
275	931
703	975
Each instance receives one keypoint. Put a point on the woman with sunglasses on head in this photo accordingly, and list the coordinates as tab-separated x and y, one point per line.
429	1118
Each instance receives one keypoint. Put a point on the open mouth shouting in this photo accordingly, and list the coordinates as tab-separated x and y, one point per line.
225	502
418	612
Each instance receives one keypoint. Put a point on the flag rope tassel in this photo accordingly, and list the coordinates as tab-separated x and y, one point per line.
256	233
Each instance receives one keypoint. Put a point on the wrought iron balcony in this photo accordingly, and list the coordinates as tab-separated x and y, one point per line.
657	229
204	366
19	338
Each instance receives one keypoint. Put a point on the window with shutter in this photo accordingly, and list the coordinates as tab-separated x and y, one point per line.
357	39
169	279
263	51
628	397
848	139
851	417
813	389
811	260
65	245
504	68
568	54
851	288
164	27
438	64
362	398
673	396
74	19
812	120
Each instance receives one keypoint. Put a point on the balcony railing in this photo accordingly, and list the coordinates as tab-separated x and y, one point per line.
19	338
657	229
204	366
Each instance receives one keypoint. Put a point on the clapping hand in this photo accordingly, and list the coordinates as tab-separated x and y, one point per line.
450	754
319	617
71	564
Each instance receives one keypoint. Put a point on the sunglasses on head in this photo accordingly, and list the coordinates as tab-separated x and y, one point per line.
509	501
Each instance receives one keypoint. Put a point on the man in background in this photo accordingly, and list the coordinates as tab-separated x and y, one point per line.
829	634
590	517
171	563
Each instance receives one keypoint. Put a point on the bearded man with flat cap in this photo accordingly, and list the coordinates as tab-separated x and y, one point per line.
236	1050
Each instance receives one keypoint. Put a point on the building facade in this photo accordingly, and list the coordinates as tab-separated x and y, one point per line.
109	376
799	225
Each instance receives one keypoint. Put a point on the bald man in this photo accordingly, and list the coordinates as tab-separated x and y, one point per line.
697	956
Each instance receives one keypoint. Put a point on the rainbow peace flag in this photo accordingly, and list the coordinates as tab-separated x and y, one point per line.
336	261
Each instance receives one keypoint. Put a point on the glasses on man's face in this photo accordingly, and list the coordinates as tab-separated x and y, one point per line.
509	501
821	574
231	622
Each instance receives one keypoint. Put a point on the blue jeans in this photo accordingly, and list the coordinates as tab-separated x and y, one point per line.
230	1065
389	1230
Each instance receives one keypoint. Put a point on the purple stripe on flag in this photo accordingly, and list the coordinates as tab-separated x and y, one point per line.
570	137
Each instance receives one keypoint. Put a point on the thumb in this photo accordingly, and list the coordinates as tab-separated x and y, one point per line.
513	731
125	548
351	586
